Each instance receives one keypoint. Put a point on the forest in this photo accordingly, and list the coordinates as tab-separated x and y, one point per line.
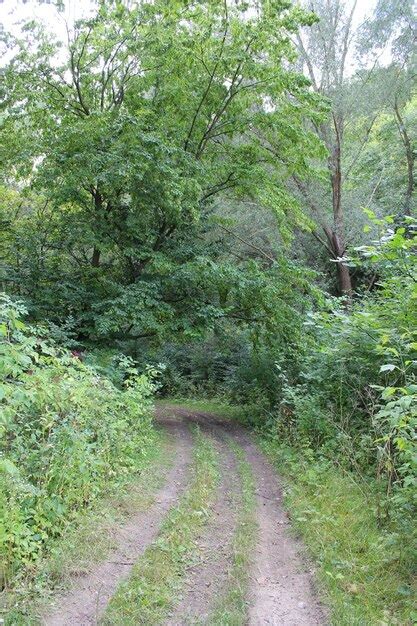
208	312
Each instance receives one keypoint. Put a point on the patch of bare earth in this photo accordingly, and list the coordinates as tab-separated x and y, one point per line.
282	583
208	575
87	599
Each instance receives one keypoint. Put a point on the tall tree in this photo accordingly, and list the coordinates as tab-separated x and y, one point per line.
328	56
393	26
324	52
136	123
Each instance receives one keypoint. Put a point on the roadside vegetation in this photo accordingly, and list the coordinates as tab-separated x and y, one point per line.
85	542
365	574
69	437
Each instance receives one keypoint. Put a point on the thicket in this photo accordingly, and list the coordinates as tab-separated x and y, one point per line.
355	396
67	434
340	382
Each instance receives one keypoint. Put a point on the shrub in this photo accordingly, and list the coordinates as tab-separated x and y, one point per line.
355	400
66	433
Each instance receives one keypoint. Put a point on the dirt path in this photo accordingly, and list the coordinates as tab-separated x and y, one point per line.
207	576
89	596
282	588
281	591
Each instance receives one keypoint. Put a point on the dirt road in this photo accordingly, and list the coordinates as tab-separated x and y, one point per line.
277	587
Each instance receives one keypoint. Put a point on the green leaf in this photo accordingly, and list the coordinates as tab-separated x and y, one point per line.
388	367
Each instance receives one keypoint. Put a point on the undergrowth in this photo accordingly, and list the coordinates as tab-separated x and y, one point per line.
67	436
86	542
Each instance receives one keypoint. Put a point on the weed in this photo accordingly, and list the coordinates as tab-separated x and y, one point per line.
87	540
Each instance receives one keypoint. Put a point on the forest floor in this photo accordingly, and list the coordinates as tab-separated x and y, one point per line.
212	546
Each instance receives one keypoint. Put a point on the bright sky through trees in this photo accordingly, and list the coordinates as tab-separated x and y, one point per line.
12	12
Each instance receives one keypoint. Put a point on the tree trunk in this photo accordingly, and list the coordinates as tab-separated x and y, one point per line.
334	245
336	236
410	186
409	153
95	259
338	249
98	206
343	273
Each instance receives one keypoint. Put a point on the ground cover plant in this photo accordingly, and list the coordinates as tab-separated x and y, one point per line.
67	434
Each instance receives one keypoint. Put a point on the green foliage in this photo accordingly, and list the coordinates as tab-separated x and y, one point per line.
352	394
382	164
66	433
127	137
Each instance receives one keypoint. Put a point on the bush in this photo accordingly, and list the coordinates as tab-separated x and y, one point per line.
66	433
355	398
201	368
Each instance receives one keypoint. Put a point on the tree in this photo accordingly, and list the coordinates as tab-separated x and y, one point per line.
144	117
409	145
324	53
393	25
327	51
383	171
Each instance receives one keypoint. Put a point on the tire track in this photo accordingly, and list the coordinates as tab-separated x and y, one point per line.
282	588
89	596
208	576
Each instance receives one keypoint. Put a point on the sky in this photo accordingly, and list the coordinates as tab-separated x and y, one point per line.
14	11
11	11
